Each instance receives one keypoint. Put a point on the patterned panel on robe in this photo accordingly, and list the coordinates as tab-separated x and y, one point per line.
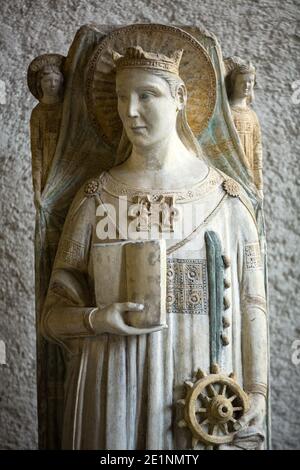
187	290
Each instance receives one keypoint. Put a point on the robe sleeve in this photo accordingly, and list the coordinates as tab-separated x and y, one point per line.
70	298
254	308
257	155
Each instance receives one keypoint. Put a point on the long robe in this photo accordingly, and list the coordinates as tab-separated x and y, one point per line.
248	128
121	391
44	127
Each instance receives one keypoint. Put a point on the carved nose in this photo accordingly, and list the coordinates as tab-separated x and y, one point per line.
132	110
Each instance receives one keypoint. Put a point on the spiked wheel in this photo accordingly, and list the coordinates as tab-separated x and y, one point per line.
211	407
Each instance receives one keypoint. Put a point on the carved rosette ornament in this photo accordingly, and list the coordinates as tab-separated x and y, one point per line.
91	188
232	187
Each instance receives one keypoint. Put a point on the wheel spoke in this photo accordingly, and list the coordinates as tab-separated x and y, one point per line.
211	428
232	420
204	397
237	408
224	428
224	390
232	398
201	410
212	389
204	422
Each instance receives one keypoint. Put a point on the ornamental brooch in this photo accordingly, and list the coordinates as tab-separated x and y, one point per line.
91	187
232	187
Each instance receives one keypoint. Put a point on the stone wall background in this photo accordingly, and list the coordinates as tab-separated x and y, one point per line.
268	31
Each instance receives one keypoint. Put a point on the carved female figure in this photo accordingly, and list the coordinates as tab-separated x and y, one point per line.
122	382
240	85
45	80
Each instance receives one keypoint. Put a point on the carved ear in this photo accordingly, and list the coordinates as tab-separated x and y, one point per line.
181	96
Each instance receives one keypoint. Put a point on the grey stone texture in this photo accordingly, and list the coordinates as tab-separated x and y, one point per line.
267	31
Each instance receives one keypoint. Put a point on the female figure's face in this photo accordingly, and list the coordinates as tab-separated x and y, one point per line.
243	85
146	107
51	84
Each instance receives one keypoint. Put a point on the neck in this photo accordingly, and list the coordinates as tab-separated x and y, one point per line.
165	165
240	102
50	99
161	157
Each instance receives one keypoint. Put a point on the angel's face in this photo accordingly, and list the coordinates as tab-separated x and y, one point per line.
51	84
146	107
243	85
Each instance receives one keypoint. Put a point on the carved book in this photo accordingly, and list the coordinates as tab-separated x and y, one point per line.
133	272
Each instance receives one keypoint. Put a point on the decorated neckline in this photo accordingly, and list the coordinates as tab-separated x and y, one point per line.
240	109
117	188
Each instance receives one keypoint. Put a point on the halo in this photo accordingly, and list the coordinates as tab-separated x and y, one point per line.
196	70
37	64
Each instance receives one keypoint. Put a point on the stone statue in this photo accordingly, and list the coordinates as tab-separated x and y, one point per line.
45	80
241	79
198	379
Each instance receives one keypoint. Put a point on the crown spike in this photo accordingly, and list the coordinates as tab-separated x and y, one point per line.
136	57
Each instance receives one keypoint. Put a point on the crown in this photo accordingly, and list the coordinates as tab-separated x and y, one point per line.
136	57
237	65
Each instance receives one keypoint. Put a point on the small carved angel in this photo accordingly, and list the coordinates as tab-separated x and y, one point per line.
45	81
240	81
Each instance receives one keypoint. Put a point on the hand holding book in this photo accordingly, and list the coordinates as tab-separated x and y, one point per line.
111	319
127	275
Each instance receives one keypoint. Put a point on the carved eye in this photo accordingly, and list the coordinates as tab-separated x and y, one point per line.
145	96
